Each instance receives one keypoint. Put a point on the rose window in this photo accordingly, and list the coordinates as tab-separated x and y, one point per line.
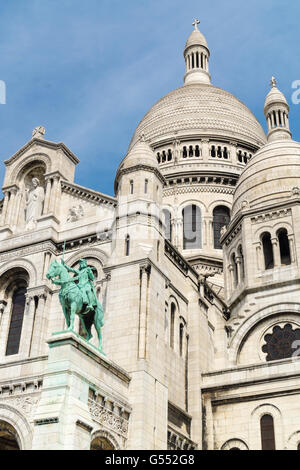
283	342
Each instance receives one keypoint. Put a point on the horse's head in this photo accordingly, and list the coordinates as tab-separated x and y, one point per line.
54	270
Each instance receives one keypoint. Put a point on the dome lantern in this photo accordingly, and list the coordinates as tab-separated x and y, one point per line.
196	55
276	112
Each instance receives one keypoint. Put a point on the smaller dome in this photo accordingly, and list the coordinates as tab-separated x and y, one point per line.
140	154
196	38
274	96
272	175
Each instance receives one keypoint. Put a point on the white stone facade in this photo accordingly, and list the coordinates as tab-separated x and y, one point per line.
196	266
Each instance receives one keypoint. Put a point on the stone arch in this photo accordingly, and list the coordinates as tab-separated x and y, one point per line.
219	202
94	253
172	299
16	419
239	336
196	202
293	441
106	436
234	444
32	160
257	413
21	263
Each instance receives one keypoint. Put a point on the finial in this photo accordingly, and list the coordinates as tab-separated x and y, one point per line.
195	24
273	82
38	132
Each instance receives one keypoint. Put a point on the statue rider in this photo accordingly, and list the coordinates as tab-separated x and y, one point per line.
85	278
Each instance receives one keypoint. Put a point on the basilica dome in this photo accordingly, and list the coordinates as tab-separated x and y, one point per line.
199	109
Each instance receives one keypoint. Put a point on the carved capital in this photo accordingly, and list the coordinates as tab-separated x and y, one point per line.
146	267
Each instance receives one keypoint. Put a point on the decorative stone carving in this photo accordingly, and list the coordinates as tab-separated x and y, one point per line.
223	231
34	203
75	213
108	418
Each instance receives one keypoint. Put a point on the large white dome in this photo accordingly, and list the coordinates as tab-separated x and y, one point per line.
200	109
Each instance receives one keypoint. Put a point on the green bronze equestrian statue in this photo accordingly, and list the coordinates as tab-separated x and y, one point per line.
77	296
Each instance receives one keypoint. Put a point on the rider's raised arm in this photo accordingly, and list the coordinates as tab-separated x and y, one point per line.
72	270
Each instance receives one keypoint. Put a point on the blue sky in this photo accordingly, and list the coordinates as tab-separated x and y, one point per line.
89	70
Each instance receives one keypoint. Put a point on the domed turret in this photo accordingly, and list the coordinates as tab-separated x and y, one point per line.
196	55
139	154
276	112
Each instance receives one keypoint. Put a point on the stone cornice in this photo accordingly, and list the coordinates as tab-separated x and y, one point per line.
89	195
43	143
141	167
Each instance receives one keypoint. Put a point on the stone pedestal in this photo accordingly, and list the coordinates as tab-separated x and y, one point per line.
62	419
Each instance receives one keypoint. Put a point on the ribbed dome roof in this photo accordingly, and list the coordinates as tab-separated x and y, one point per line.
196	38
269	177
200	109
274	96
139	154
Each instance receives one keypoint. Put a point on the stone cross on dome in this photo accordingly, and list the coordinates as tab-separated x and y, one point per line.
195	24
273	81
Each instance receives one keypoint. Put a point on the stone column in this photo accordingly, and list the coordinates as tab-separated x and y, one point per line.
205	149
179	234
144	275
239	269
4	326
210	231
259	260
292	248
28	325
4	208
37	336
231	278
54	192
276	252
10	210
208	437
47	196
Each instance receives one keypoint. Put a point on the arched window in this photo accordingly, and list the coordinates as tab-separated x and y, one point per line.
172	323
9	439
213	151
181	331
284	246
100	443
235	270
127	245
241	261
221	217
191	227
267	432
168	225
16	321
184	152
146	187
267	250
131	186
